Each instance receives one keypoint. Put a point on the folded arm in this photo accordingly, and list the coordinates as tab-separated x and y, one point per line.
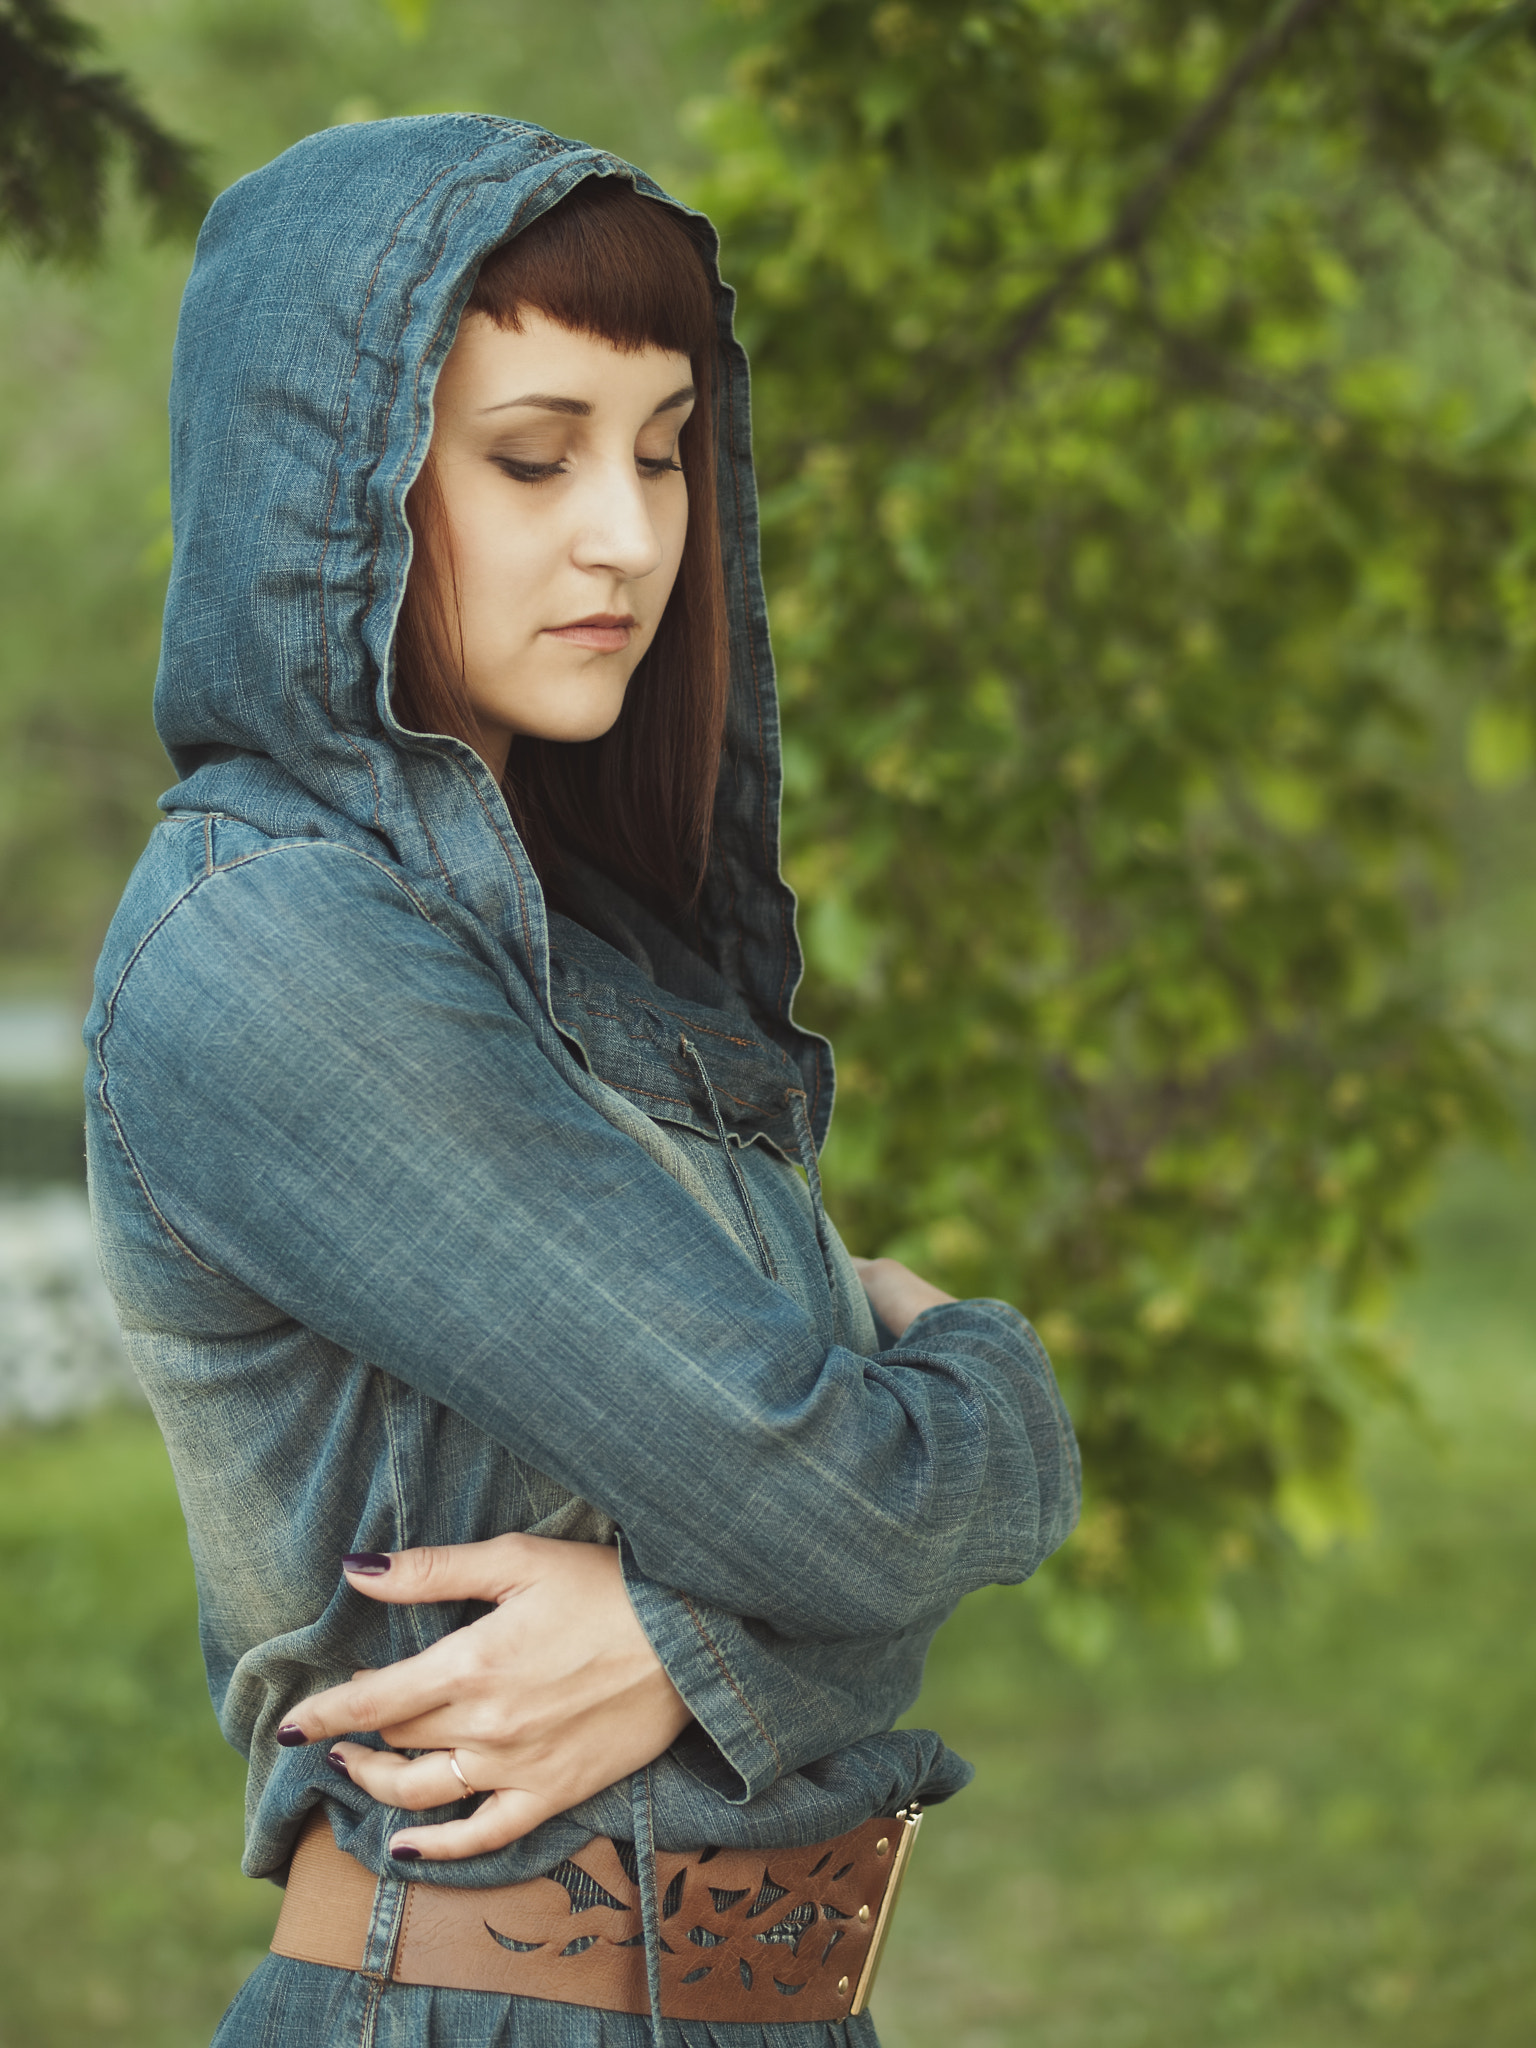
330	1098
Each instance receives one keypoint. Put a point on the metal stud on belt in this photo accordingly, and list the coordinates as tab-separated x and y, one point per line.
911	1819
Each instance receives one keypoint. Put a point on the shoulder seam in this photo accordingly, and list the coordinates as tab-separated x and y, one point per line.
107	1110
330	846
110	1007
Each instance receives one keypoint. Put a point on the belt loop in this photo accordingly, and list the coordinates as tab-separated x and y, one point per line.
691	1052
807	1141
650	1917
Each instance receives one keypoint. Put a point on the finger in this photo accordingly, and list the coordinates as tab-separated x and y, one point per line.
445	1728
376	1699
472	1715
414	1783
444	1571
500	1818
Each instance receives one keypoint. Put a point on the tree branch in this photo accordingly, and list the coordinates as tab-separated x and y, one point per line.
60	125
1140	211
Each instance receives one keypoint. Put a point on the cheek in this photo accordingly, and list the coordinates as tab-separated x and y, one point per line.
503	566
672	531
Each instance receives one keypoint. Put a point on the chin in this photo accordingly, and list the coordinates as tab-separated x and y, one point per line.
569	715
566	709
570	731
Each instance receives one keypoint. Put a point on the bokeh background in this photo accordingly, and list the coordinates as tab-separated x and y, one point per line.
1145	412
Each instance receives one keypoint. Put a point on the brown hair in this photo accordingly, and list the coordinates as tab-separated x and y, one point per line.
638	801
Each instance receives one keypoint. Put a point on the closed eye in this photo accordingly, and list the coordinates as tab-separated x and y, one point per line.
541	472
528	472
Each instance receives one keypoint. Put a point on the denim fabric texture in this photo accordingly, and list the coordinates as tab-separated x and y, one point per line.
287	2004
430	1214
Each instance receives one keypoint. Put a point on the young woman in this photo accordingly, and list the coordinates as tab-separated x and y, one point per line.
454	1149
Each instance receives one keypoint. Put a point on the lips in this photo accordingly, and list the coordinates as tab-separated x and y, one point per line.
604	632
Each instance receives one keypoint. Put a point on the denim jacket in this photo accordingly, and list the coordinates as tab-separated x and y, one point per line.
431	1214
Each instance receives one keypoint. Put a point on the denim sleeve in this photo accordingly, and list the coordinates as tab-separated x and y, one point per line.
767	1704
325	1094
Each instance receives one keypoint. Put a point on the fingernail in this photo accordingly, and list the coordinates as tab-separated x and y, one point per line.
406	1854
339	1765
366	1564
291	1735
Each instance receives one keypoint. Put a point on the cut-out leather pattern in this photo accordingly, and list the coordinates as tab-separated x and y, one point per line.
746	1934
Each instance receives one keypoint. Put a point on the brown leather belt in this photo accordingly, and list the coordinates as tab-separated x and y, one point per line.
746	1934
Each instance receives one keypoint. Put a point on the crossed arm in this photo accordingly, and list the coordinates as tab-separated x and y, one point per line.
552	1696
304	1007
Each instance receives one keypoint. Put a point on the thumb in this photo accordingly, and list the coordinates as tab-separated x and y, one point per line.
441	1571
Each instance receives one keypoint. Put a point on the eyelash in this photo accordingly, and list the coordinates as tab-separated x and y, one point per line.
541	472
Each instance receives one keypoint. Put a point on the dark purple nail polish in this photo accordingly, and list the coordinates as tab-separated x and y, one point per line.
291	1736
339	1765
366	1564
406	1854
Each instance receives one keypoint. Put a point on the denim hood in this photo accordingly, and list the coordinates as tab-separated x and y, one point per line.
325	296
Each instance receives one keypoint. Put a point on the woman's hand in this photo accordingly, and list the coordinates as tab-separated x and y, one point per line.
548	1700
896	1293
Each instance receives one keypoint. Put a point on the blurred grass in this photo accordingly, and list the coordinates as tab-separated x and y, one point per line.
126	1917
1329	1841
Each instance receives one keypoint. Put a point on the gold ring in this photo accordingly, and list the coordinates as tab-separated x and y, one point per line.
453	1765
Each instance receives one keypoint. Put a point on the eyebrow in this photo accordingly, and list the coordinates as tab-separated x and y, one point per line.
579	408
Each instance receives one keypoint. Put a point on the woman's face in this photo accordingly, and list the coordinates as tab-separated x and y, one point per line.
556	456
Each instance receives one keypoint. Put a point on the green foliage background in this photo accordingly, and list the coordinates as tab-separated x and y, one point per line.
1133	562
1144	409
1147	527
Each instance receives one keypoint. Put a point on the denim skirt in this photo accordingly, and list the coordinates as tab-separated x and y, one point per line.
289	2004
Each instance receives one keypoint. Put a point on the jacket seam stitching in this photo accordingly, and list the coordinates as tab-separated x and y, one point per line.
442	865
729	390
330	505
757	705
640	1038
726	1673
652	1094
682	1016
683	1102
110	1015
105	1101
324	846
397	1477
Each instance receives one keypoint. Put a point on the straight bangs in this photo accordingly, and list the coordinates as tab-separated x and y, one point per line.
638	802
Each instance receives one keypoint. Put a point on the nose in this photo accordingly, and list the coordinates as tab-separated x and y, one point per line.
614	529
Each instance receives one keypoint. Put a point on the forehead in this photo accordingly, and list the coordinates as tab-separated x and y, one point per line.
490	368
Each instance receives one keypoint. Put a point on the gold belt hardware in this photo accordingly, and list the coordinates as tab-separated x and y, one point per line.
910	1819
